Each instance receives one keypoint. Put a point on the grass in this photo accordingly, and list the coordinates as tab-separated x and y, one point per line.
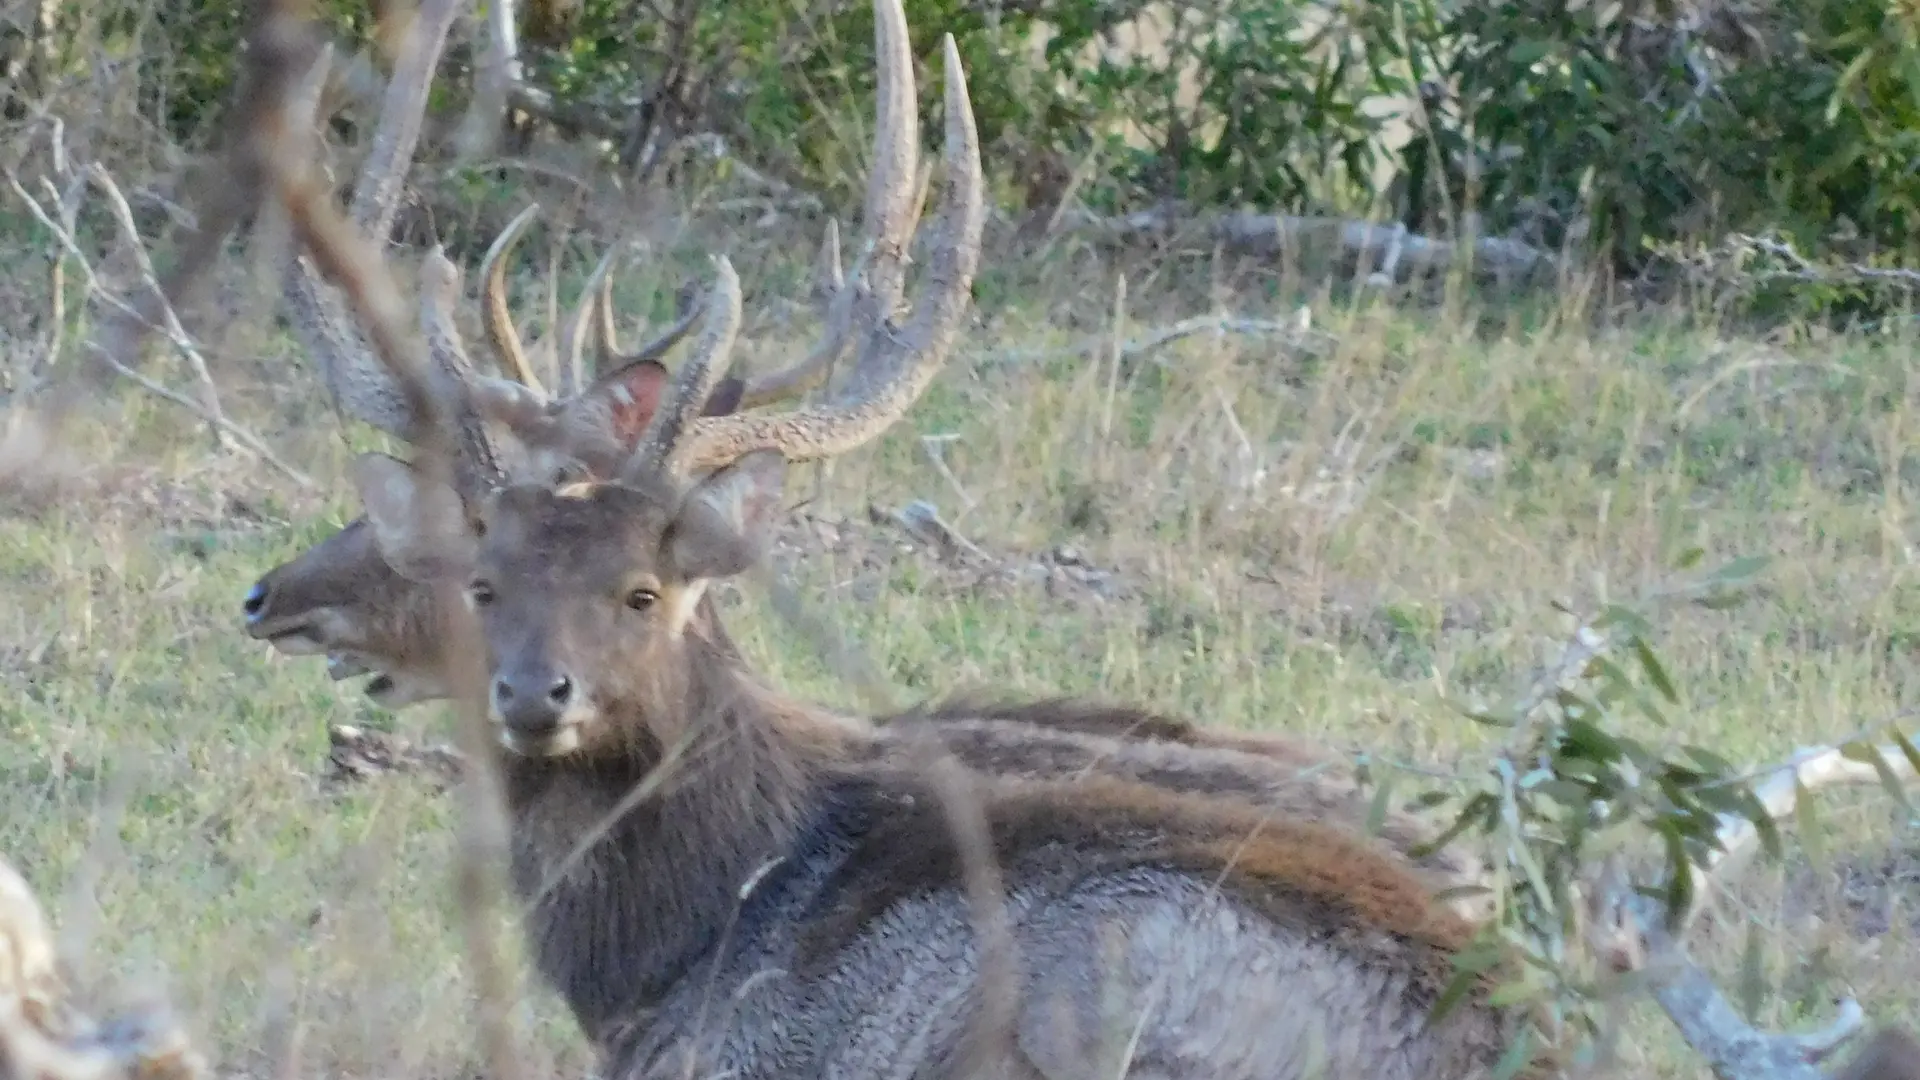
1432	481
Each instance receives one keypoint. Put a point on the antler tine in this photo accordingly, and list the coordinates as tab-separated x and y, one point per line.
607	347
496	318
812	369
696	378
606	344
359	383
889	209
573	342
894	367
376	194
505	400
831	278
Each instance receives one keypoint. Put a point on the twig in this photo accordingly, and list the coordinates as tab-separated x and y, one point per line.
921	520
123	214
931	445
170	328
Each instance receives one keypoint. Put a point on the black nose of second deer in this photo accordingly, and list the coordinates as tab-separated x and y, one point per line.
532	702
255	605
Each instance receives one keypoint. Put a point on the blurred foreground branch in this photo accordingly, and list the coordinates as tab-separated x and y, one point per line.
44	1037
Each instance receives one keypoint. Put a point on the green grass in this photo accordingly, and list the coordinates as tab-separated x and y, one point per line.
1432	487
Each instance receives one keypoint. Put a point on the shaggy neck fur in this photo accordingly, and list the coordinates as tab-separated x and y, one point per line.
661	880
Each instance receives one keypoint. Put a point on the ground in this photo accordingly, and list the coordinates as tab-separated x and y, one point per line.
1337	533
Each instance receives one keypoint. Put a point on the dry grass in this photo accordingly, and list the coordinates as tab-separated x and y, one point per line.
1376	527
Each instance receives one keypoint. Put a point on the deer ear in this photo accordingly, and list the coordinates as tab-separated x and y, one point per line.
419	525
725	397
631	395
726	521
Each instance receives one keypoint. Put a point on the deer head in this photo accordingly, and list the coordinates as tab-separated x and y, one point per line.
339	598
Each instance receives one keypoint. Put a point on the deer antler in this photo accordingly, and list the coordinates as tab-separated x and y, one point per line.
697	377
495	317
894	366
360	385
606	346
593	318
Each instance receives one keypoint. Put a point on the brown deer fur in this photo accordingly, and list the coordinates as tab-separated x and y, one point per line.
1258	936
343	599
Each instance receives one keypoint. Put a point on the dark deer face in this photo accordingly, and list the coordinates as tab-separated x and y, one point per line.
340	598
588	596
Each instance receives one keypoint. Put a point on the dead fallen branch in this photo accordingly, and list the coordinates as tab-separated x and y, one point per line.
1628	932
1387	252
356	754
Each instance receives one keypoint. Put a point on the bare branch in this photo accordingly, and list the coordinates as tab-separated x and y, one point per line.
498	75
207	408
123	215
1628	931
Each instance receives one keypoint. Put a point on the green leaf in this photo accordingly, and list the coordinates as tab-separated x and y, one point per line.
1463	982
1591	742
1724	601
1907	748
1864	752
1713	763
1848	76
1656	673
1680	883
1808	824
1568	793
1627	618
1690	558
1460	892
1509	993
1475	811
1752	987
1377	810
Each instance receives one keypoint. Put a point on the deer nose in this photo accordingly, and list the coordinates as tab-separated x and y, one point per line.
255	605
533	704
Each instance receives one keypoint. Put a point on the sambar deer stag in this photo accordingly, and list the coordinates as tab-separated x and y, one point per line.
342	599
778	906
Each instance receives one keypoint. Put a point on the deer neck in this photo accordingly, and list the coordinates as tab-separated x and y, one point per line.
632	873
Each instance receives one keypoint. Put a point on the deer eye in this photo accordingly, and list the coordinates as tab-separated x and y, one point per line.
641	599
480	593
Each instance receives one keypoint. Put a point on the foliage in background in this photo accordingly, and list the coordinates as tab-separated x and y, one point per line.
1618	125
1575	791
